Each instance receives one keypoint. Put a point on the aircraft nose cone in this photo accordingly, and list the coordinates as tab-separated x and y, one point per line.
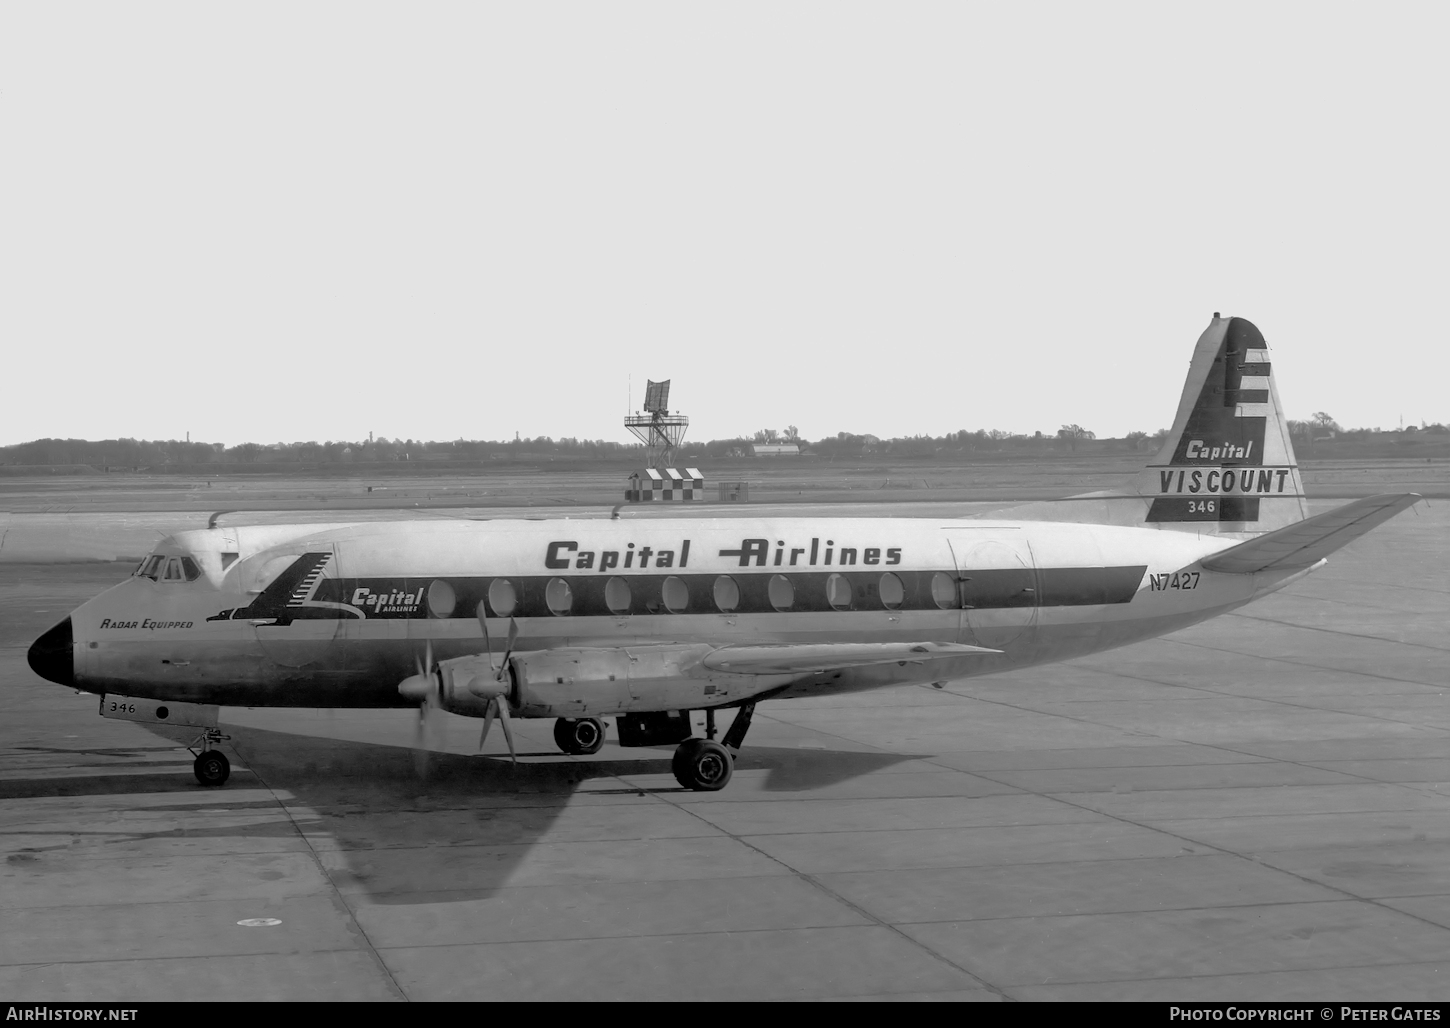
51	657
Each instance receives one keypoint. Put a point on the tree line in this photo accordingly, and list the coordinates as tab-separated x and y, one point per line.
134	453
1069	439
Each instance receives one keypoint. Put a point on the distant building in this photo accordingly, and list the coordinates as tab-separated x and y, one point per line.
776	449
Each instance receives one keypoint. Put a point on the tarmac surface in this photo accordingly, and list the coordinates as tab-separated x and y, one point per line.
1252	809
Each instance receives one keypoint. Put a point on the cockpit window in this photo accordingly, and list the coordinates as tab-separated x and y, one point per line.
169	569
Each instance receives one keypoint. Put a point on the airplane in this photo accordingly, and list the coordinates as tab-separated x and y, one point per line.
649	620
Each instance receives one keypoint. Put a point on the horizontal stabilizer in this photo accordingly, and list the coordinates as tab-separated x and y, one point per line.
1307	542
804	658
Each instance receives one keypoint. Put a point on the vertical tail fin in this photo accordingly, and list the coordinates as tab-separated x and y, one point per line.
1227	465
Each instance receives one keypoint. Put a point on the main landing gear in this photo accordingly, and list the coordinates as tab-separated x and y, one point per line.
705	765
211	767
581	736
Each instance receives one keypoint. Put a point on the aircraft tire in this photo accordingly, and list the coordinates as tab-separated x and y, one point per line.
212	768
580	737
702	765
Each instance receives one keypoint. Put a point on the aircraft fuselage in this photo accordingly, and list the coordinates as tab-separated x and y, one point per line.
337	615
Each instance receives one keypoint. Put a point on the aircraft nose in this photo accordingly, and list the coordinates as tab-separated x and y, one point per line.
51	657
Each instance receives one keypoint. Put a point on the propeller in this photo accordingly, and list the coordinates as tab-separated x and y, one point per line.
425	687
496	691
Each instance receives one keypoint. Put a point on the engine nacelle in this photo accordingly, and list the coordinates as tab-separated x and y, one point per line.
597	681
468	683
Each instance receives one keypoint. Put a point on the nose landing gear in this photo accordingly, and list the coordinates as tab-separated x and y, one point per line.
581	736
211	767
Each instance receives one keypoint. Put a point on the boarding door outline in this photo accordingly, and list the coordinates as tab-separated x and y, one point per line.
997	585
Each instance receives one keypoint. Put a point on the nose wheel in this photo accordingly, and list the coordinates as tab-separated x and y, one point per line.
211	767
579	736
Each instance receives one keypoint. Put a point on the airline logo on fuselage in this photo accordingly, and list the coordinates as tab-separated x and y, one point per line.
565	554
559	555
391	601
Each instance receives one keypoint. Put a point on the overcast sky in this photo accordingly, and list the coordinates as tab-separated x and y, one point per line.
289	221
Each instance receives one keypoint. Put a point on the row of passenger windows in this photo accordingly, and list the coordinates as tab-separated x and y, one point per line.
674	595
168	569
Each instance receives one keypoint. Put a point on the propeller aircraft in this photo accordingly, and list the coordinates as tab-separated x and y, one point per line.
647	621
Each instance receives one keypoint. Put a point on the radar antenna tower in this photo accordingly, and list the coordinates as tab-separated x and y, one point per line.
656	427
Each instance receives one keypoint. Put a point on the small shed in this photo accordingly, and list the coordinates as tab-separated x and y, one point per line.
667	484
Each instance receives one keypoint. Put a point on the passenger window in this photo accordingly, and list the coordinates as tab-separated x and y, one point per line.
676	595
892	591
559	596
189	569
838	592
502	597
727	594
616	596
781	592
944	591
441	599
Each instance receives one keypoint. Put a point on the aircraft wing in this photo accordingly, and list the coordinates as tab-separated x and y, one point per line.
804	658
1309	541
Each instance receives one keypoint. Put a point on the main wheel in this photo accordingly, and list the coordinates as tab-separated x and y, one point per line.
580	737
212	768
702	765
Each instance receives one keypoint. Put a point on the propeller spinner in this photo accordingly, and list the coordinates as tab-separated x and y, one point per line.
425	687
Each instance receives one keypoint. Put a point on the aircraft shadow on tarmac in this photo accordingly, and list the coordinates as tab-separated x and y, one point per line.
458	831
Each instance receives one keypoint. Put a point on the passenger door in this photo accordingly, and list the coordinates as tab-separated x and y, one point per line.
998	585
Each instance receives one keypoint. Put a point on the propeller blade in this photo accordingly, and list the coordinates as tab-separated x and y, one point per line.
483	624
508	733
508	648
422	759
487	724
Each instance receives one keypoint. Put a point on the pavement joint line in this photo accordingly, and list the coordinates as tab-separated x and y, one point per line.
1337	631
180	956
1131	911
815	883
1295	663
1356	604
1372	901
1399	586
1232	974
337	893
683	934
1226	748
1239	696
